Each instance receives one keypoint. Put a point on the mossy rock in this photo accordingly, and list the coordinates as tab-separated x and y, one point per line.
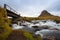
28	35
32	36
4	24
38	37
20	35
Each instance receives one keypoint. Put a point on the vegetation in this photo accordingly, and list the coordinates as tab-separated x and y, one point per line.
22	35
6	33
31	36
4	25
28	35
44	16
38	37
55	18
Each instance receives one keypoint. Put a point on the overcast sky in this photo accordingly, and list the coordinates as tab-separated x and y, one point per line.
33	8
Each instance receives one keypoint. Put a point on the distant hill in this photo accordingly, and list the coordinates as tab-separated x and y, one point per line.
45	15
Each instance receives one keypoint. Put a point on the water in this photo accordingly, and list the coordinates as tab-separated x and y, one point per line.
45	27
44	33
40	23
15	26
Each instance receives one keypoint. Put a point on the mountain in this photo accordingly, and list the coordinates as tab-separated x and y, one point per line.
45	13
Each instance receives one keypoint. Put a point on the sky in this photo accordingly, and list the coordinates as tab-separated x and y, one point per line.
33	8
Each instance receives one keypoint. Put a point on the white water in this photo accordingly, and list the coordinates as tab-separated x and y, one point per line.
39	23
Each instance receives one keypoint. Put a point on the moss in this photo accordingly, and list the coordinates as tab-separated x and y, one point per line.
28	35
4	25
39	37
20	35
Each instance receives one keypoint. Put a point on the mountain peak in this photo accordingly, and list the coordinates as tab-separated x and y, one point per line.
45	13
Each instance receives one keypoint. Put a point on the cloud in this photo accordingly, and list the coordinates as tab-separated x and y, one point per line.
34	7
55	13
35	10
29	11
55	6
